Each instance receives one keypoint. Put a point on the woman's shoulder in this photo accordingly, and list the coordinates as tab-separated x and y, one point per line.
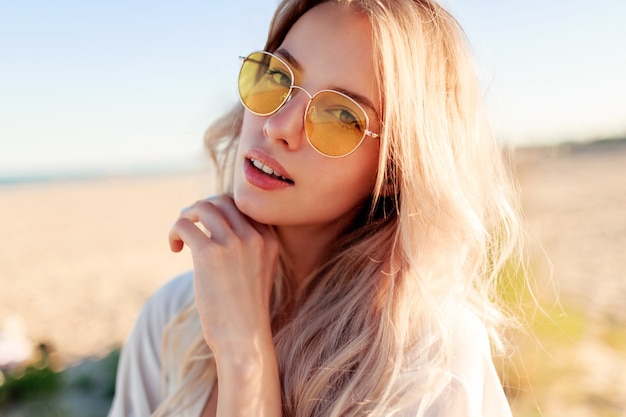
139	387
475	383
163	306
171	297
469	346
468	335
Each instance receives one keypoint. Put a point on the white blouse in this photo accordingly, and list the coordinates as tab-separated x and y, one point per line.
475	391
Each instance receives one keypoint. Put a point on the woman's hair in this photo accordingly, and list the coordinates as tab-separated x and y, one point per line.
371	330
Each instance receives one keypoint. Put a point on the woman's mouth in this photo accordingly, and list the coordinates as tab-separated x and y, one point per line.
268	170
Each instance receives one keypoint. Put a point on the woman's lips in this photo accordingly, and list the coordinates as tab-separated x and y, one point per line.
269	170
265	172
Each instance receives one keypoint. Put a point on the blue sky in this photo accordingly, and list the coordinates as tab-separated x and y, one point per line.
123	84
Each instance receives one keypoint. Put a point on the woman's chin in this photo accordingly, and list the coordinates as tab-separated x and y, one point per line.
255	211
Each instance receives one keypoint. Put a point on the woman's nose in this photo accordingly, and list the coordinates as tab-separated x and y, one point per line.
287	124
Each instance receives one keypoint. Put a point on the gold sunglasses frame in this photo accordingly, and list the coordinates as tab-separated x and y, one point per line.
290	94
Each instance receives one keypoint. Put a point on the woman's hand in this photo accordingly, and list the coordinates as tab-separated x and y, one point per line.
235	262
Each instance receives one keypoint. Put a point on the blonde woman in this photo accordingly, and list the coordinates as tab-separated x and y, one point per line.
349	267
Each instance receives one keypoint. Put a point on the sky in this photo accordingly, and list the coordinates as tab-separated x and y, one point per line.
120	85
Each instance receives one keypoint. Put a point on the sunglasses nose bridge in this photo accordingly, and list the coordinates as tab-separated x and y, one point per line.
309	101
297	87
291	95
307	108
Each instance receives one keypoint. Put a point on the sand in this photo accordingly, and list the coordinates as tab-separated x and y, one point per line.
574	199
78	259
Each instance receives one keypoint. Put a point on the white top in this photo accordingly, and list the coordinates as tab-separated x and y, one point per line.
476	389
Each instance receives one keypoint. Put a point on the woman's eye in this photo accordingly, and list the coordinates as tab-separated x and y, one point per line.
279	77
346	117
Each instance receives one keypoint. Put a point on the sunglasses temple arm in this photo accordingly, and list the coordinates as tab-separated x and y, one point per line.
371	134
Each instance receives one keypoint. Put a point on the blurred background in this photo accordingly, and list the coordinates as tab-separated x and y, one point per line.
102	112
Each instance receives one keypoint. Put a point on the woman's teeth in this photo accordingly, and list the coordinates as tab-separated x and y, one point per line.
259	165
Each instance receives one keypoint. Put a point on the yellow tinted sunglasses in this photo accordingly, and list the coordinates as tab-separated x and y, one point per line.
334	123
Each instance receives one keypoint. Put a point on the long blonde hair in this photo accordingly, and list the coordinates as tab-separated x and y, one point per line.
370	333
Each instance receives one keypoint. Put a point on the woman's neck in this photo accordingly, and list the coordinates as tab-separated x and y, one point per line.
304	247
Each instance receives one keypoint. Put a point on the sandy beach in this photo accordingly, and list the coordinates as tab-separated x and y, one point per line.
574	199
78	259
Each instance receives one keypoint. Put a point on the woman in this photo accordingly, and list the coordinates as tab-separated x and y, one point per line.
349	268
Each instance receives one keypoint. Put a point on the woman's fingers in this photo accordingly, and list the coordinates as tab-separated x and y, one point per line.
239	223
185	231
217	219
190	227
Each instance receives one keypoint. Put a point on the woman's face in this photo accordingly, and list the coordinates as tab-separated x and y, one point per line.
330	47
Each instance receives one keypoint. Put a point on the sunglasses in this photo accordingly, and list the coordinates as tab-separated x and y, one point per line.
334	123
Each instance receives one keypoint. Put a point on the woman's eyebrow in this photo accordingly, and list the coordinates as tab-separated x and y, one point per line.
364	101
289	58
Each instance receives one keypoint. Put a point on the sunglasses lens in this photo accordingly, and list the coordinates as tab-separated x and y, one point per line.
335	124
264	83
